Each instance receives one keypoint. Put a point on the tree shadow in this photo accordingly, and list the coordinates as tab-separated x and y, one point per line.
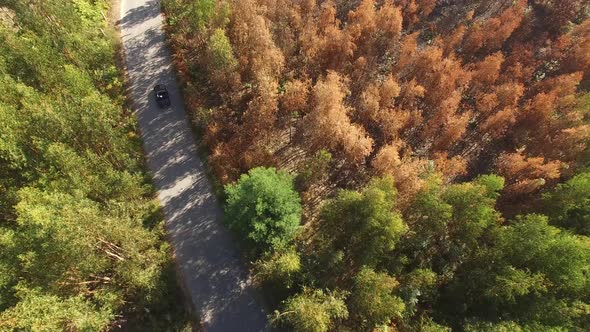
138	15
205	252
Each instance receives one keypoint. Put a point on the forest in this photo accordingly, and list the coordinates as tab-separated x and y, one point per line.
81	238
399	165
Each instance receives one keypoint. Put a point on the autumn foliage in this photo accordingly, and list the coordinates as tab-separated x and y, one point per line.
395	115
390	87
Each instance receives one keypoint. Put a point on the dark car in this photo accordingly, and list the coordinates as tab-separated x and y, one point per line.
162	97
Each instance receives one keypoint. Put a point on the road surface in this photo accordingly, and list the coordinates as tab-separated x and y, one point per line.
208	260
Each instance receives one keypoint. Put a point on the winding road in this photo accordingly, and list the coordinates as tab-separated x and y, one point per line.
210	268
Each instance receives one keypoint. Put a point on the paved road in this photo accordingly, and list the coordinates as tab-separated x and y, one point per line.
210	267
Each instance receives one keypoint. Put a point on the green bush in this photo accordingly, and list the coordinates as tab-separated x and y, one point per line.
264	209
569	204
312	311
372	298
220	51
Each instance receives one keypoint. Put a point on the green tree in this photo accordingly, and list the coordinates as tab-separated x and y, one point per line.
568	205
220	51
199	15
363	225
510	326
561	258
418	286
81	239
312	311
264	209
428	325
372	298
539	275
448	222
37	312
279	268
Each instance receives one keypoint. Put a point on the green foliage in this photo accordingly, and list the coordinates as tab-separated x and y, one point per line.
473	207
264	209
419	284
81	242
512	283
455	257
420	279
449	222
569	204
562	258
71	28
220	51
540	274
37	312
493	184
365	225
510	326
279	273
312	311
61	237
278	268
428	325
372	298
199	14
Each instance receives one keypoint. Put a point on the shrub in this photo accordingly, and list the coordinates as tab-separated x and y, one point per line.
263	208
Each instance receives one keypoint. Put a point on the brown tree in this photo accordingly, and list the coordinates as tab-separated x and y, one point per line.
404	168
559	12
328	125
324	45
498	110
497	124
454	128
439	75
573	49
295	99
486	72
489	35
550	112
525	175
450	42
402	84
415	10
450	167
378	108
374	31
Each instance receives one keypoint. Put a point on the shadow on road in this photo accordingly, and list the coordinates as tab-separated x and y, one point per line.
204	250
